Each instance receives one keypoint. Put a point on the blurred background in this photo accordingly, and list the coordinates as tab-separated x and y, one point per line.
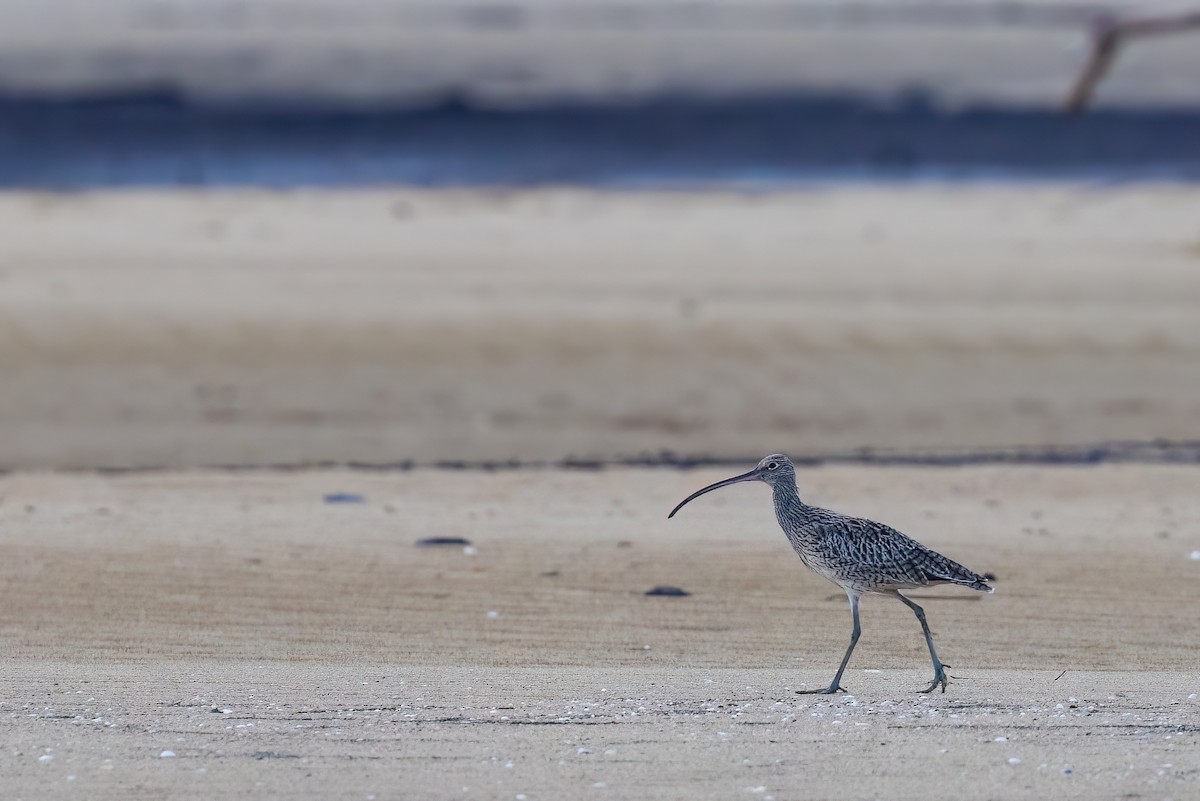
488	231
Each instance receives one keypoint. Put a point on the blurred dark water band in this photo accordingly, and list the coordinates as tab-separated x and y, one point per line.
160	139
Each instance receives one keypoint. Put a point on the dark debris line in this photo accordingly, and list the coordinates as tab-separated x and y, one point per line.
1182	452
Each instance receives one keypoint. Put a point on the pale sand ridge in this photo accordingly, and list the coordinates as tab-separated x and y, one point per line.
181	329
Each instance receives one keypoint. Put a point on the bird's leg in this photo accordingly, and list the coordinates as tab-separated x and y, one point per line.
836	684
939	673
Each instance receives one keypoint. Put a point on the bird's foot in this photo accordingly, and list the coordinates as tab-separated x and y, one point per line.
938	678
832	689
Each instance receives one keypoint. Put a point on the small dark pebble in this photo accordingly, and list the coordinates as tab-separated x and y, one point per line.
428	541
674	592
344	497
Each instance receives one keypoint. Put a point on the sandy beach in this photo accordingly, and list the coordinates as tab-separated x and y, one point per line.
197	634
189	632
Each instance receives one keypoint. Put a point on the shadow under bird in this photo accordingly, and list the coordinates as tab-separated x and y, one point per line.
858	555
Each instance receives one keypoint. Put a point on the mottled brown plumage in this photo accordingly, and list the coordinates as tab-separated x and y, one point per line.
858	555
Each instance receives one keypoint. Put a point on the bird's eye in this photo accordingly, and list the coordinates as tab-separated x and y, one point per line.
772	465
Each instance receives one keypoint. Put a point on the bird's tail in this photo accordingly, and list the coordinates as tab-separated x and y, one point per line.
976	581
951	572
938	569
979	582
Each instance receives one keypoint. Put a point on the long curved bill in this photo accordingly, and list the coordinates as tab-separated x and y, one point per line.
751	476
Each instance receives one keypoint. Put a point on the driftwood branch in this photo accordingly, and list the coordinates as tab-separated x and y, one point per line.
1109	35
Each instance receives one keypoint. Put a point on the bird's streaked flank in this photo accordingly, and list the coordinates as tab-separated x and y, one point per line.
858	555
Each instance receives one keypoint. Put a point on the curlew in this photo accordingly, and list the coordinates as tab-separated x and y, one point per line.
858	555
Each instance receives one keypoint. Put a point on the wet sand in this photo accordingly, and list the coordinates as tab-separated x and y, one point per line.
188	329
198	634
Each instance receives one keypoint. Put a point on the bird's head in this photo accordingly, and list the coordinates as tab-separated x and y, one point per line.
773	469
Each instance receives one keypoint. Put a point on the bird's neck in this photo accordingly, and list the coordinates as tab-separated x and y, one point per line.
788	506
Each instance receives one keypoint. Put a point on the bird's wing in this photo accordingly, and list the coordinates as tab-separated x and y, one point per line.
890	556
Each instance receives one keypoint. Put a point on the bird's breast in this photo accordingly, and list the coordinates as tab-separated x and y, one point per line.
814	557
822	556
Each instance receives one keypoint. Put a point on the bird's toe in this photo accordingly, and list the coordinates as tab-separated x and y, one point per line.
939	680
823	691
